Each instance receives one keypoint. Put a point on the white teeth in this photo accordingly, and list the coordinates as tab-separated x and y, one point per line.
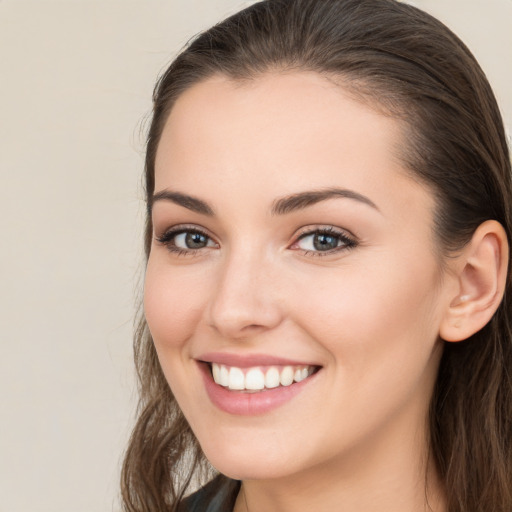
216	372
302	373
236	379
272	378
286	377
256	379
297	377
223	376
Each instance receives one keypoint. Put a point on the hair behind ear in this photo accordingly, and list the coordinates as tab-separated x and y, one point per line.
470	420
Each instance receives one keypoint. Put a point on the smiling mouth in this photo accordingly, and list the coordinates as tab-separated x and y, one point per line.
258	378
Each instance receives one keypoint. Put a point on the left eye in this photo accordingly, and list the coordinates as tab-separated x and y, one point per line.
192	240
323	241
182	241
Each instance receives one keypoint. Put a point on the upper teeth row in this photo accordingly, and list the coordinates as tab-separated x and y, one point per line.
255	378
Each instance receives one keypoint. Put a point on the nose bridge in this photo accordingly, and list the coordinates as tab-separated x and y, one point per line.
244	300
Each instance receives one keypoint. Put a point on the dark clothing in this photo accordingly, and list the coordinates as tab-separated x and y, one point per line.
219	495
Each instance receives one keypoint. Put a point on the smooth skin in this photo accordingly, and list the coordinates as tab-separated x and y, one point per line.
369	307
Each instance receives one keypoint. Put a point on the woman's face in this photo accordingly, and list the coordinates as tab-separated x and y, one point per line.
289	243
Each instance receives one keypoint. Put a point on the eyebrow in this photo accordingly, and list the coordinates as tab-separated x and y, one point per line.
280	206
191	203
304	199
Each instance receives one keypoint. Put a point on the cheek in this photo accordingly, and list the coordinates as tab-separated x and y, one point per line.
173	304
373	311
379	328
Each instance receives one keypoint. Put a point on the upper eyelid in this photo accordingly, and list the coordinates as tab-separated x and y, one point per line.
324	228
182	228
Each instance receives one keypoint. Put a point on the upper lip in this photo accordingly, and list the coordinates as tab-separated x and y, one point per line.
248	360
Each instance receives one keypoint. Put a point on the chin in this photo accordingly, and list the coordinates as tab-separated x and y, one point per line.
247	470
250	462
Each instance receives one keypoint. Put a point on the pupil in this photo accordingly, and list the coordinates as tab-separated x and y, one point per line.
323	242
195	240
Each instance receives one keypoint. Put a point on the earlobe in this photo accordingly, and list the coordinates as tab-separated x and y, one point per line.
481	276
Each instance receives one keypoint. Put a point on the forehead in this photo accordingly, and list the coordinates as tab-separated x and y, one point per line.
281	132
280	109
299	100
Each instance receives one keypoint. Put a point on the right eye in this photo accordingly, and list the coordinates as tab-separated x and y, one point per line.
186	241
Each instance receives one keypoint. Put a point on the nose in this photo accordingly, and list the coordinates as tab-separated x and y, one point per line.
245	301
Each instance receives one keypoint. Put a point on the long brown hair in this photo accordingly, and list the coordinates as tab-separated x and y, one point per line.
410	66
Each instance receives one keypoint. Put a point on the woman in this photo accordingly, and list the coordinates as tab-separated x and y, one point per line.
326	297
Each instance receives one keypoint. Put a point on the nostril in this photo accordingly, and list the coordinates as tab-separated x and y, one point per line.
253	327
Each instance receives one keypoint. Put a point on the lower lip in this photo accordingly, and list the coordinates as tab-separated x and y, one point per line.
250	404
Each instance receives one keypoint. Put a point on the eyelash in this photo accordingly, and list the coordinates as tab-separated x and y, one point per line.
347	241
168	240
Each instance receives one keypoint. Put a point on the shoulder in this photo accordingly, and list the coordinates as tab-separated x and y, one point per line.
219	495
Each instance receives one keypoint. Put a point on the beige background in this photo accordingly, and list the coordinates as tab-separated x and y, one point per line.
75	86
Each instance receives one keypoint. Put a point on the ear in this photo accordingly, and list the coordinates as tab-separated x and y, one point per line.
480	273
